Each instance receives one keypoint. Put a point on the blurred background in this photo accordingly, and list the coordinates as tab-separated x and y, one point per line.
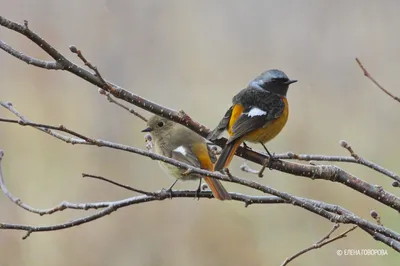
195	55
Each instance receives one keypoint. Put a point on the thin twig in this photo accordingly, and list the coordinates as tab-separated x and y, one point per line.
60	207
111	99
47	128
120	185
341	159
322	242
329	158
106	84
368	75
78	52
245	168
51	65
367	163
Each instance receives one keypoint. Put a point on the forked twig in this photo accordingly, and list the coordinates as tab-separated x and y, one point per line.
322	242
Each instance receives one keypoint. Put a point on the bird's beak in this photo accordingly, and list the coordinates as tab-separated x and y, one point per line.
290	81
149	129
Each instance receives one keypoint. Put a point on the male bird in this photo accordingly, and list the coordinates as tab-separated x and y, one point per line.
259	112
180	143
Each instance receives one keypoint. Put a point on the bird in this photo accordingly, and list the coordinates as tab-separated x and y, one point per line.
175	141
258	114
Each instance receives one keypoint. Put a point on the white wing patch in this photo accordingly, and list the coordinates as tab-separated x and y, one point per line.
256	112
181	150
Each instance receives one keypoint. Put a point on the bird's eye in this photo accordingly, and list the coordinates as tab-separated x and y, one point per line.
274	80
160	124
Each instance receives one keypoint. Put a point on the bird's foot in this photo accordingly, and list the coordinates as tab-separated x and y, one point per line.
169	190
267	164
246	146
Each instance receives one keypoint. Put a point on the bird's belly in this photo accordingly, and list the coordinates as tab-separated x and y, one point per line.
176	172
269	131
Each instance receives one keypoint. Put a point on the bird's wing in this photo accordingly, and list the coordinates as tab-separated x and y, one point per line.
223	124
185	154
253	117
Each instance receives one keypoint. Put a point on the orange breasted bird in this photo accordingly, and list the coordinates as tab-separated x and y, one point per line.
180	143
259	112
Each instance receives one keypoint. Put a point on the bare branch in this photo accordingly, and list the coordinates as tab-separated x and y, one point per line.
341	159
46	129
60	207
368	75
109	207
310	205
335	174
51	65
119	185
367	163
130	110
322	242
324	172
384	239
245	168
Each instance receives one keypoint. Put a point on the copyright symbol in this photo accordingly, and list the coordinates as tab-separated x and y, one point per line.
339	252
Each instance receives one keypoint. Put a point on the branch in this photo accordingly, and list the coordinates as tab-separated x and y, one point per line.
341	159
119	185
368	75
335	174
120	93
344	216
130	110
109	207
46	129
30	60
322	242
324	172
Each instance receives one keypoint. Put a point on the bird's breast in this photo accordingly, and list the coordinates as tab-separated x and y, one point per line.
271	129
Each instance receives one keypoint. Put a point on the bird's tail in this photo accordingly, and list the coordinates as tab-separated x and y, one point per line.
226	155
215	185
217	189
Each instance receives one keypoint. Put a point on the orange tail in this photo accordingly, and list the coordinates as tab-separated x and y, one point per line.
215	185
217	189
227	155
